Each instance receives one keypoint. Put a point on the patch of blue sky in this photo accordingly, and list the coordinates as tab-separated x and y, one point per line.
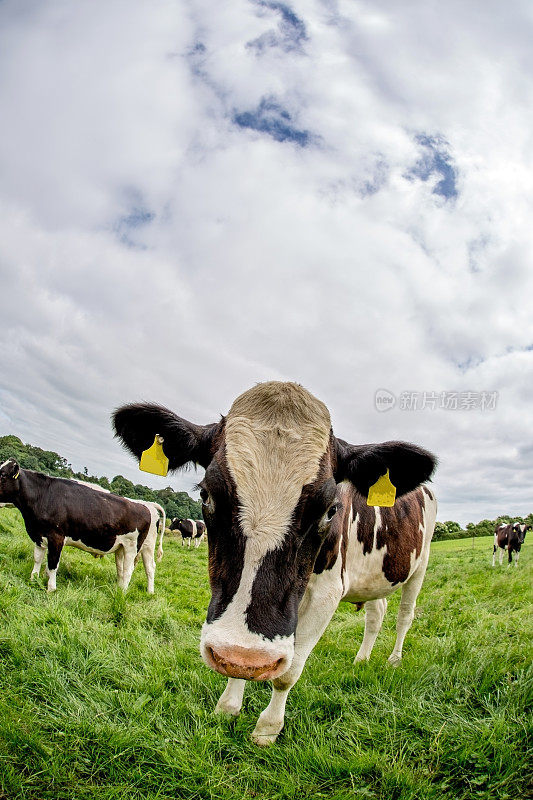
273	120
435	160
376	181
471	362
291	32
138	217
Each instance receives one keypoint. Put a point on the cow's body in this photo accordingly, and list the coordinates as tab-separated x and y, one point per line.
386	548
509	537
190	529
59	512
290	532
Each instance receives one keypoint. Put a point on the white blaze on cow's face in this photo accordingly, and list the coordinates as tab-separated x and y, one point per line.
276	438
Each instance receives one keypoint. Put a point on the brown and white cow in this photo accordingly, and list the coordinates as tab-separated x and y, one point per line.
509	537
290	534
190	529
59	512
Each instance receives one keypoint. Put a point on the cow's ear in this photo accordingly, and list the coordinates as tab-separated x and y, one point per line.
408	465
137	424
11	468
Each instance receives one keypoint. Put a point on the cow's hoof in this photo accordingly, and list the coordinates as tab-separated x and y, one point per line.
265	733
264	739
50	589
359	658
394	660
227	711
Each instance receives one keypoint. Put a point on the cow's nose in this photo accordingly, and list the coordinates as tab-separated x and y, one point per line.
241	662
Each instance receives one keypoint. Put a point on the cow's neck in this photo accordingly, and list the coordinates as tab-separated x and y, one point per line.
31	487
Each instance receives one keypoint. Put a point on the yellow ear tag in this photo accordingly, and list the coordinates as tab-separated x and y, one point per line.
154	459
382	493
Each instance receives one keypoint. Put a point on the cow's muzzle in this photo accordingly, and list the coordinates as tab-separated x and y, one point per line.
241	662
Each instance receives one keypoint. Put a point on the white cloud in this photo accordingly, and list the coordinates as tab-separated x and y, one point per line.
165	237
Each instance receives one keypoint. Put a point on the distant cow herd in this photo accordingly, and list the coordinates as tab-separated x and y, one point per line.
292	530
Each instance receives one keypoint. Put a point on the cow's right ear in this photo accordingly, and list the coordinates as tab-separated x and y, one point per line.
137	424
11	469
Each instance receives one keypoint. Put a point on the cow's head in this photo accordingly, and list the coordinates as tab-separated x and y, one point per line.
520	530
269	494
9	481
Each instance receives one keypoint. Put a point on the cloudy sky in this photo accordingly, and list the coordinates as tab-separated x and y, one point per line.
200	195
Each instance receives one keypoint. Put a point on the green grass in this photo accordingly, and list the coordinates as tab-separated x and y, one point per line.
105	696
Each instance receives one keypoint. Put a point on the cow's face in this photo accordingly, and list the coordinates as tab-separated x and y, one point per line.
520	531
9	481
269	495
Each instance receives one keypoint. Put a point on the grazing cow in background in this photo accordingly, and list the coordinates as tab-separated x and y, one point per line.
190	529
59	512
201	532
290	534
509	537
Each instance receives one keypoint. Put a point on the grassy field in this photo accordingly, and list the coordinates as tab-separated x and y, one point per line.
105	696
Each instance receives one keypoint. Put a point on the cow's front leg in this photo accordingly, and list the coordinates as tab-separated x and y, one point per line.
230	701
517	556
406	611
39	553
55	546
509	556
321	598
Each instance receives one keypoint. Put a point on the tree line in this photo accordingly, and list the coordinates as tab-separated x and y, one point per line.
180	504
176	504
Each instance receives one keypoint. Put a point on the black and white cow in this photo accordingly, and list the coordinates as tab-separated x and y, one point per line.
190	529
59	512
509	537
290	533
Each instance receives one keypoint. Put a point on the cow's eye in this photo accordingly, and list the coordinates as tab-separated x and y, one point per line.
207	500
330	513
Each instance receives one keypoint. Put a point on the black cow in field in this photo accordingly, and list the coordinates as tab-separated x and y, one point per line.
509	537
190	529
59	512
291	533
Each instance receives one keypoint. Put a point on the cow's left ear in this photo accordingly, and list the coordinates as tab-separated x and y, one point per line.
408	465
11	469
